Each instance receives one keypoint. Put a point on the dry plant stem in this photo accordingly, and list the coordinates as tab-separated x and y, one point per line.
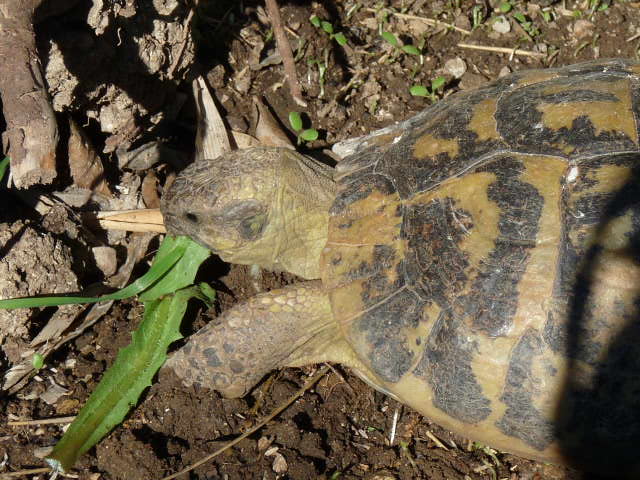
42	421
24	473
429	21
310	383
31	136
143	220
436	440
285	52
513	51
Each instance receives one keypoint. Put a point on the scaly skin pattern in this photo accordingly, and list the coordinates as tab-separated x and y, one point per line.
481	263
291	326
262	206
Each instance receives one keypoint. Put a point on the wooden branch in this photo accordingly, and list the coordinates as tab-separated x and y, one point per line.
31	136
273	11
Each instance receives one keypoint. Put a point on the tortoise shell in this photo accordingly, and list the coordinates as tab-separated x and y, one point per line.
482	259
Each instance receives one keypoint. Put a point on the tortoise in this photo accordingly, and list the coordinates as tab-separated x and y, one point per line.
478	262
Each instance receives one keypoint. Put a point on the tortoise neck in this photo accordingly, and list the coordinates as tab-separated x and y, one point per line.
306	192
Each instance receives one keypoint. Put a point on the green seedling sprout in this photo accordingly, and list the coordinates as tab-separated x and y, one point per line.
392	40
526	24
322	70
505	7
477	15
37	361
329	30
422	91
547	14
598	6
303	135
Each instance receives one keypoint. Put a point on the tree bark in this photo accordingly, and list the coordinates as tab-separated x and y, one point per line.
31	136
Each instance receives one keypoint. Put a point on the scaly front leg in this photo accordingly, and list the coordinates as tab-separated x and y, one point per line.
292	326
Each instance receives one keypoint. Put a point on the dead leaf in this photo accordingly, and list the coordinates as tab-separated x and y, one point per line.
268	130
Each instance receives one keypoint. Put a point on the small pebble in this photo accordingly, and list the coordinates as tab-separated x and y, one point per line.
279	463
583	29
455	67
501	24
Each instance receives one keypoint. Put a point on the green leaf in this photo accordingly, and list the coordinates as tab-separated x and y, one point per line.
171	250
340	38
122	384
410	49
327	27
309	135
295	120
37	361
520	17
505	7
437	83
183	272
4	164
208	292
390	38
315	21
419	91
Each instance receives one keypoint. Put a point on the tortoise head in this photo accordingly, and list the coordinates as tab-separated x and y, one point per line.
223	204
243	207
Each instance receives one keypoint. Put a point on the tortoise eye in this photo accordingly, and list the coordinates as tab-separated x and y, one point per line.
192	217
251	228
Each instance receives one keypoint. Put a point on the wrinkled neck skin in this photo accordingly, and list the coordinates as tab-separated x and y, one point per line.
298	219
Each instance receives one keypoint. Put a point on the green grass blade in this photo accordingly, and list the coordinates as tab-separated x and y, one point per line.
4	163
122	384
170	252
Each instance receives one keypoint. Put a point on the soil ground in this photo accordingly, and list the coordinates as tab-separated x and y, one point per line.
341	428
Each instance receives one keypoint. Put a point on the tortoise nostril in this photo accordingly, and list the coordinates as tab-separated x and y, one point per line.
192	217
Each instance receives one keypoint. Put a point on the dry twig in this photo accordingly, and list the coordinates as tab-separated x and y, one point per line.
285	52
24	473
512	51
41	421
429	21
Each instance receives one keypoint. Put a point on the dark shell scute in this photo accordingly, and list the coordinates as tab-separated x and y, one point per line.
522	124
450	122
580	96
522	419
435	269
359	187
494	298
385	327
446	366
